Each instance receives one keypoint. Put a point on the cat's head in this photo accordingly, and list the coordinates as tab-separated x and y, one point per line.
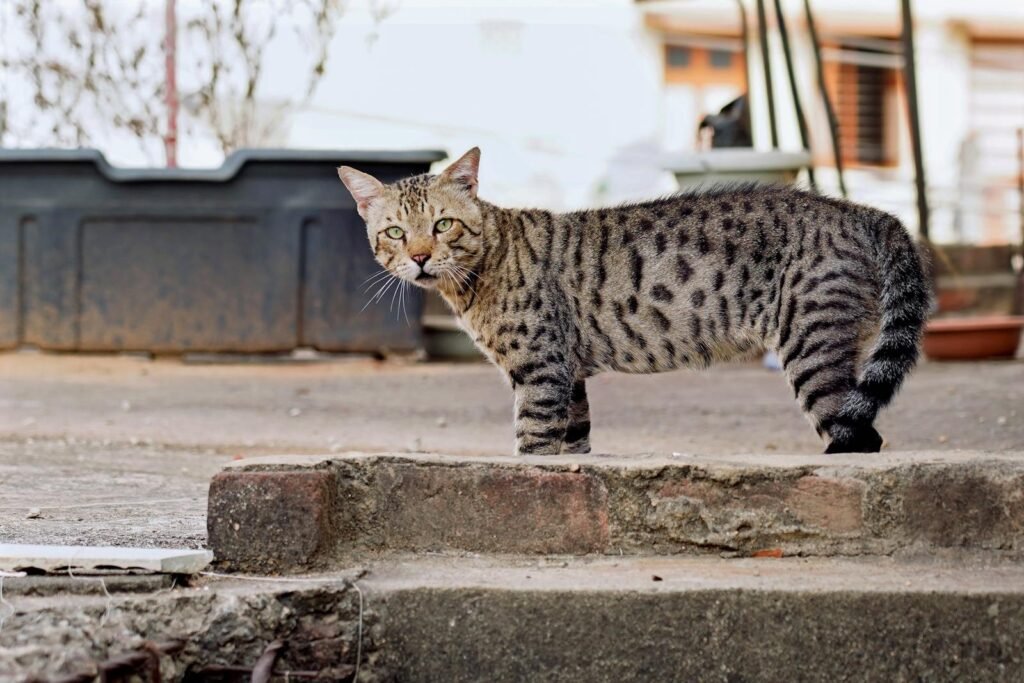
424	229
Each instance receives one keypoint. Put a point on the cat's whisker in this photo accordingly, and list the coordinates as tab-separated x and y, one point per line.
450	278
378	278
401	294
377	273
381	291
388	287
470	272
466	282
391	306
405	312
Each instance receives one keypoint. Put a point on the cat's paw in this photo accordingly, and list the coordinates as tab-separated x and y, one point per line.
576	448
856	440
539	449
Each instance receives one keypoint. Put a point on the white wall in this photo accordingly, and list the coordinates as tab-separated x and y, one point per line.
550	93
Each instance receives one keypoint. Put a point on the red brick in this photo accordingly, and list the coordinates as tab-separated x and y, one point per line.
271	521
827	503
485	509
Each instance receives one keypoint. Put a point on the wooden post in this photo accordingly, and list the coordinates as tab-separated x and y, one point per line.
910	81
798	108
171	85
762	37
830	112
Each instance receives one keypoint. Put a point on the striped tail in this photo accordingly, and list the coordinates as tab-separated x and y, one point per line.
905	304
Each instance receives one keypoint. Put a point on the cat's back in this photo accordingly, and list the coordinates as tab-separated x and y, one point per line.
674	238
699	275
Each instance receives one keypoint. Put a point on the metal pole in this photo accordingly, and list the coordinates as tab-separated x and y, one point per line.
171	84
745	30
801	121
1018	260
830	112
910	83
1020	188
762	36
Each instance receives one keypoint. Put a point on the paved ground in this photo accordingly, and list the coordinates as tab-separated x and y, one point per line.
96	443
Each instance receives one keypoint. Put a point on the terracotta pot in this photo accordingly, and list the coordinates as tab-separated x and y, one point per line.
994	336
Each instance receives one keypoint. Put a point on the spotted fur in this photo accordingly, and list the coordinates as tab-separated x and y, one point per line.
836	288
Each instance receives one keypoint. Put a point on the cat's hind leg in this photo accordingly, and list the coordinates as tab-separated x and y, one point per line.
823	373
577	434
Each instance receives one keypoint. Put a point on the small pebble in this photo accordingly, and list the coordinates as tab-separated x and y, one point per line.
34	513
1001	420
574	467
442	422
126	405
943	438
294	412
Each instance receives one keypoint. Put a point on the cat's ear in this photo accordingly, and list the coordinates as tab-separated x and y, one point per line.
364	187
464	170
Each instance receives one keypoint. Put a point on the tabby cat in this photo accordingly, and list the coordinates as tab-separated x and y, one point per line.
837	289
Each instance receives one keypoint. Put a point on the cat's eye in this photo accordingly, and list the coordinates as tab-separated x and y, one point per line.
395	232
443	225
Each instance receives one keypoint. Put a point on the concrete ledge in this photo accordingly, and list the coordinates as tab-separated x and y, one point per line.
674	619
294	513
597	619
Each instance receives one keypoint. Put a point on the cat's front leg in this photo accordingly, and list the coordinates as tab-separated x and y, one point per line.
542	410
577	434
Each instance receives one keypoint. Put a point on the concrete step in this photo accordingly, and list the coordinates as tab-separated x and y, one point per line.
699	619
443	618
300	513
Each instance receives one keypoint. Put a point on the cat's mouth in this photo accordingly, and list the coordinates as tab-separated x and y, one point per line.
425	278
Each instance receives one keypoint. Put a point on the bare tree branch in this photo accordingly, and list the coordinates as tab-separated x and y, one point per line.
92	71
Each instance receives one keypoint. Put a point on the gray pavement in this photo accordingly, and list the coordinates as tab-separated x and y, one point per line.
120	449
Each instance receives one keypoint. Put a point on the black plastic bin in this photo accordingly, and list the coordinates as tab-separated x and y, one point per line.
265	253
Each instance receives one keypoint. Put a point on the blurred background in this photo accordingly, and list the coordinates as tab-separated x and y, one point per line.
574	103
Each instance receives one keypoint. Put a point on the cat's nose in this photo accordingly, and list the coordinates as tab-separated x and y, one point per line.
420	259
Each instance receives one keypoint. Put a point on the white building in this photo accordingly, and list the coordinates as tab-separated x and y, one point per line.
575	103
